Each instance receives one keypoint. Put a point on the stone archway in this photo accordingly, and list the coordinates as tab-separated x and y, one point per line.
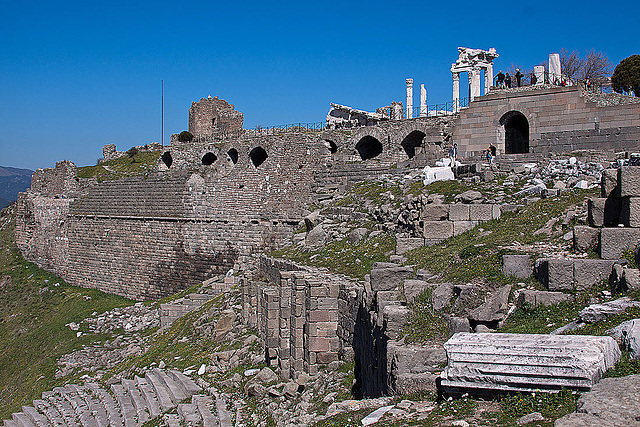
369	147
412	141
516	132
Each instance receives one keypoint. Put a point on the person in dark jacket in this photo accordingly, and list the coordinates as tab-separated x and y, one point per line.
519	77
500	79
507	80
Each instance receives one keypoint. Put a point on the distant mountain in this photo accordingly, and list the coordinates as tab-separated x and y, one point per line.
12	182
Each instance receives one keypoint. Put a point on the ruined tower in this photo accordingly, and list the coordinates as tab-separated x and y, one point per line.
214	116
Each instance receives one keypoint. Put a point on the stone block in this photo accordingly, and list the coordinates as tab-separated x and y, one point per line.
459	212
394	318
535	298
526	362
630	280
517	265
435	212
609	183
630	215
413	288
405	384
441	296
597	312
494	309
458	324
555	274
629	181
387	278
415	359
604	212
588	272
438	230
406	244
479	212
615	241
460	227
585	238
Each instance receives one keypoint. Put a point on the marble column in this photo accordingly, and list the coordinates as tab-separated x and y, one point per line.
538	71
409	98
423	101
488	78
474	84
456	92
555	71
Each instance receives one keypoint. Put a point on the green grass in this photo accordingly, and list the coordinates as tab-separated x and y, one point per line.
551	405
541	319
344	257
123	166
478	252
424	324
33	314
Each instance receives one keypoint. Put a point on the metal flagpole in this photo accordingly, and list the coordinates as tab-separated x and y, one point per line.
162	113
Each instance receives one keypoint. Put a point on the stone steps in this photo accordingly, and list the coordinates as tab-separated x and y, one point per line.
128	403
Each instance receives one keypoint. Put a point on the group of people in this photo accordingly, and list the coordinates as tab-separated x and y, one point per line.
503	80
490	154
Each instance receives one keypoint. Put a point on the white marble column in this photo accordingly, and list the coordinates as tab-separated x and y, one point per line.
555	70
456	92
538	71
409	98
488	78
423	100
474	84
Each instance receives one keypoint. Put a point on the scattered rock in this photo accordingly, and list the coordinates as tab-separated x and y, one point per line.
597	312
535	416
496	307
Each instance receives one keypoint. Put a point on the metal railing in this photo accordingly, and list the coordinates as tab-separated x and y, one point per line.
435	110
292	127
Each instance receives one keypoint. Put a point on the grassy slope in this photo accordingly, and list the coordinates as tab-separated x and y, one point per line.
33	314
141	163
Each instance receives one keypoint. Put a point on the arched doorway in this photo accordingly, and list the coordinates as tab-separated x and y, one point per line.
369	147
167	159
233	155
412	141
516	132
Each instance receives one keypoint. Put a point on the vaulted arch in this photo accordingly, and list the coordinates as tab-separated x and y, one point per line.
516	132
412	141
369	147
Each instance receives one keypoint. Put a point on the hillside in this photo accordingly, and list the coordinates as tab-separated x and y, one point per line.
57	335
12	182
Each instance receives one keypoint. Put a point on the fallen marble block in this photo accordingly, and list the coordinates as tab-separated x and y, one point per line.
494	362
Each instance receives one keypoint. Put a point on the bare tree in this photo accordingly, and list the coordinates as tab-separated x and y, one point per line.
513	69
596	68
571	63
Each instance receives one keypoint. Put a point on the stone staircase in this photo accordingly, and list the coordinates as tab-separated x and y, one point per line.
128	403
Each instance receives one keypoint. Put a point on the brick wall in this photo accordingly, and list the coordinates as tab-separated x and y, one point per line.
560	119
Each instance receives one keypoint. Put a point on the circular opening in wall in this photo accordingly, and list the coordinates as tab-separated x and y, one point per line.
209	158
167	159
233	155
369	147
258	155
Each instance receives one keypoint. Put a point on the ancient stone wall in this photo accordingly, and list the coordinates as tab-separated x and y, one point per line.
299	314
559	119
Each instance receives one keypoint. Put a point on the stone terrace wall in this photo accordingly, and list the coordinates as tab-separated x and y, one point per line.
297	311
561	119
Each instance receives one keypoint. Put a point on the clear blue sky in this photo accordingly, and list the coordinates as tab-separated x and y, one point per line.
77	75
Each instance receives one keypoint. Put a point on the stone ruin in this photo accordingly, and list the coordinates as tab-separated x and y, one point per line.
472	61
214	117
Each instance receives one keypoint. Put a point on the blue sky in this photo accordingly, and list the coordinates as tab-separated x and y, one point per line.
77	75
